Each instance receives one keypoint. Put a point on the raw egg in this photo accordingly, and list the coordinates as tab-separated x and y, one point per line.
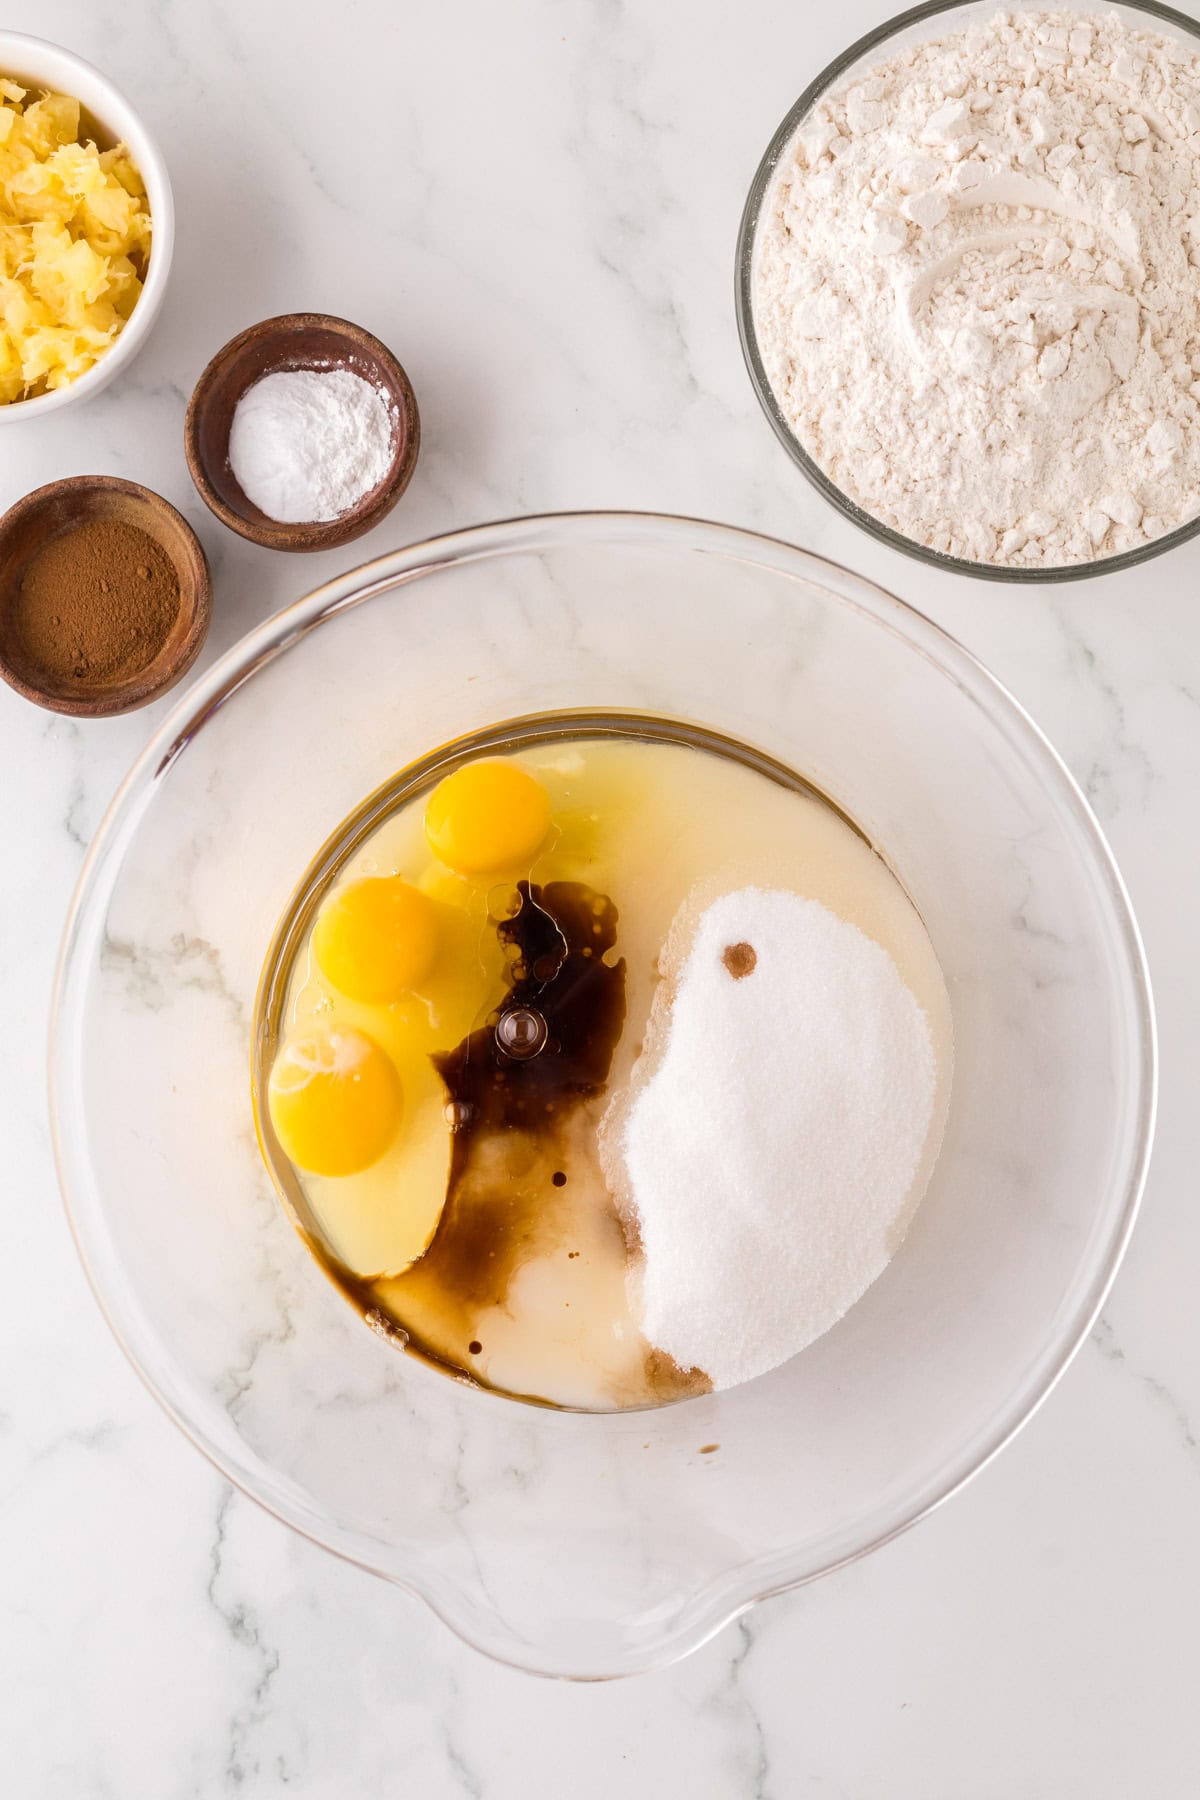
377	939
335	1101
488	818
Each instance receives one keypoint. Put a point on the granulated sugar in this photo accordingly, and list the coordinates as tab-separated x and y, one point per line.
977	288
771	1155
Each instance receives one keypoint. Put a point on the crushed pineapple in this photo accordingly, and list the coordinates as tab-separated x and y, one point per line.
74	244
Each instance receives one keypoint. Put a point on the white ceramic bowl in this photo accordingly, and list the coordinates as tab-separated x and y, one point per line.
38	64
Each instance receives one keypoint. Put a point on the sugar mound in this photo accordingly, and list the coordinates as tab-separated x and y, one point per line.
770	1157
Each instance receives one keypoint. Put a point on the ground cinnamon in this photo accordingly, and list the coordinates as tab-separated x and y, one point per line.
96	603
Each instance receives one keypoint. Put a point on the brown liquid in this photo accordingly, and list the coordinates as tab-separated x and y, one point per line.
740	959
523	1115
512	1112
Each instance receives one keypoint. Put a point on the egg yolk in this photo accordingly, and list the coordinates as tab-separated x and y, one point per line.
334	1098
488	818
377	939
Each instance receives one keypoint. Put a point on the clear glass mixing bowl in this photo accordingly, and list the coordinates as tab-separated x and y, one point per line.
937	18
573	1544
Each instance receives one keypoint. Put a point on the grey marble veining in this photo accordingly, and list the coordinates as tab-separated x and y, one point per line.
544	231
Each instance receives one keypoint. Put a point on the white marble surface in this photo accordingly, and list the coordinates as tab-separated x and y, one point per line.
535	204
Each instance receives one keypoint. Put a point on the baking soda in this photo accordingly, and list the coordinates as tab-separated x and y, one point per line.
306	445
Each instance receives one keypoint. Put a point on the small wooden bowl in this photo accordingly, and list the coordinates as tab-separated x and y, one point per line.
63	506
296	341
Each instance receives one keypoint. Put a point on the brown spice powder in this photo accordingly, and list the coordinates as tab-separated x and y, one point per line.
96	603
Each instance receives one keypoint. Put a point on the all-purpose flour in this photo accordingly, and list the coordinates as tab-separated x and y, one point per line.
977	288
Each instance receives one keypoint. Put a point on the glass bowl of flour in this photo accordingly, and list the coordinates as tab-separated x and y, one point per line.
968	286
601	1543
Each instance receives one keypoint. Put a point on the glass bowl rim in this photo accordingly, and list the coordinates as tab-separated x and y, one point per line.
877	39
704	1611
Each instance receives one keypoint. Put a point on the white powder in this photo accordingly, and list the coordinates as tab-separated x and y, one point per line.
306	445
771	1155
977	288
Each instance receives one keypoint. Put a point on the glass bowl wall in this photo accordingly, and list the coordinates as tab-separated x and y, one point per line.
599	1545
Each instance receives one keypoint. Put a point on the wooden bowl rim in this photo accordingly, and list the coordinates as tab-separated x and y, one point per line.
313	536
195	592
